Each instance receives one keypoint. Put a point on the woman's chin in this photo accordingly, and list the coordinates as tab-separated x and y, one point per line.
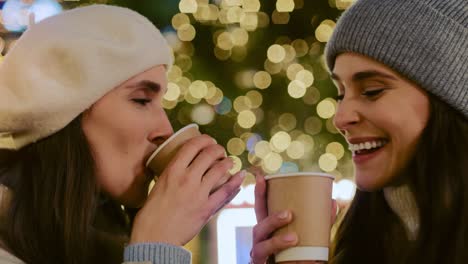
369	185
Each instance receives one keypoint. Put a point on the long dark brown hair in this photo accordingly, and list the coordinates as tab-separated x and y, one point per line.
55	201
438	176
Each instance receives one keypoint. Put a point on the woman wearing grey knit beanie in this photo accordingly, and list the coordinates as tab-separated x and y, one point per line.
80	113
400	68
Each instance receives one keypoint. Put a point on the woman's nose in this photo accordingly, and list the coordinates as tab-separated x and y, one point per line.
346	115
162	129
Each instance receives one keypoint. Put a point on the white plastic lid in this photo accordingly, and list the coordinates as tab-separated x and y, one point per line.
303	253
293	174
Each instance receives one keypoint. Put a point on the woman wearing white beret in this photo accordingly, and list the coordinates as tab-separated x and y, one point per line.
80	113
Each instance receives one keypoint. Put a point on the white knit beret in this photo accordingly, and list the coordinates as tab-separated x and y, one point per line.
61	66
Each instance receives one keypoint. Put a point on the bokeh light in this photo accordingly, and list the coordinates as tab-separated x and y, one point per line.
280	141
326	109
246	119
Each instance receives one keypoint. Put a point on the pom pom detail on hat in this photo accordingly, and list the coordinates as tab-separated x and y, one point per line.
62	65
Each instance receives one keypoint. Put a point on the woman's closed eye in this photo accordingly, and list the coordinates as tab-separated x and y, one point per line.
141	101
373	92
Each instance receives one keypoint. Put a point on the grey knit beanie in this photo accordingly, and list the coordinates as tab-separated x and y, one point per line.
425	41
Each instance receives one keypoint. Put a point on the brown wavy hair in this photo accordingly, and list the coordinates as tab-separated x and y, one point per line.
438	177
53	215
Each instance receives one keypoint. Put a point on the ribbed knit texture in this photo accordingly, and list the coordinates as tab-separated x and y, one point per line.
156	253
401	201
425	41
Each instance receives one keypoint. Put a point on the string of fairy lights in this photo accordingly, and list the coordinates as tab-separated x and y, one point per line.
254	130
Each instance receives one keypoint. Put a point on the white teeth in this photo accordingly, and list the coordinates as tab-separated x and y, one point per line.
367	145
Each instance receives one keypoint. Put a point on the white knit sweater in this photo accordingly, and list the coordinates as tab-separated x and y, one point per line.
402	202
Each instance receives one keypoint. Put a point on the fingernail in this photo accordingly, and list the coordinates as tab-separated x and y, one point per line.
289	237
283	215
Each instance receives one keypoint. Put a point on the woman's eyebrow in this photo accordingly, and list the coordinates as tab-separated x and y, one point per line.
146	85
364	75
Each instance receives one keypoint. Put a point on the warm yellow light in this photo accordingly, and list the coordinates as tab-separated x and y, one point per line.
240	37
272	162
246	119
262	79
179	20
214	12
203	12
293	69
188	97
253	159
225	41
245	78
296	89
280	141
285	5
236	146
168	104
344	4
324	31
296	150
211	90
249	21
263	19
307	141
222	16
188	6
203	114
251	5
331	126
174	74
222	54
326	108
328	162
234	14
271	67
287	121
301	47
184	61
237	165
290	53
217	98
232	2
262	148
276	53
256	98
336	149
306	77
184	83
280	18
298	4
186	32
312	96
315	49
198	89
242	103
173	92
313	125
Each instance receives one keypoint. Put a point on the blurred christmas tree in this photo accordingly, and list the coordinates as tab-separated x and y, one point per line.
251	73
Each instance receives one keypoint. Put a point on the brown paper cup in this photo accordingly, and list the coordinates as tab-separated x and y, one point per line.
161	157
309	196
166	151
